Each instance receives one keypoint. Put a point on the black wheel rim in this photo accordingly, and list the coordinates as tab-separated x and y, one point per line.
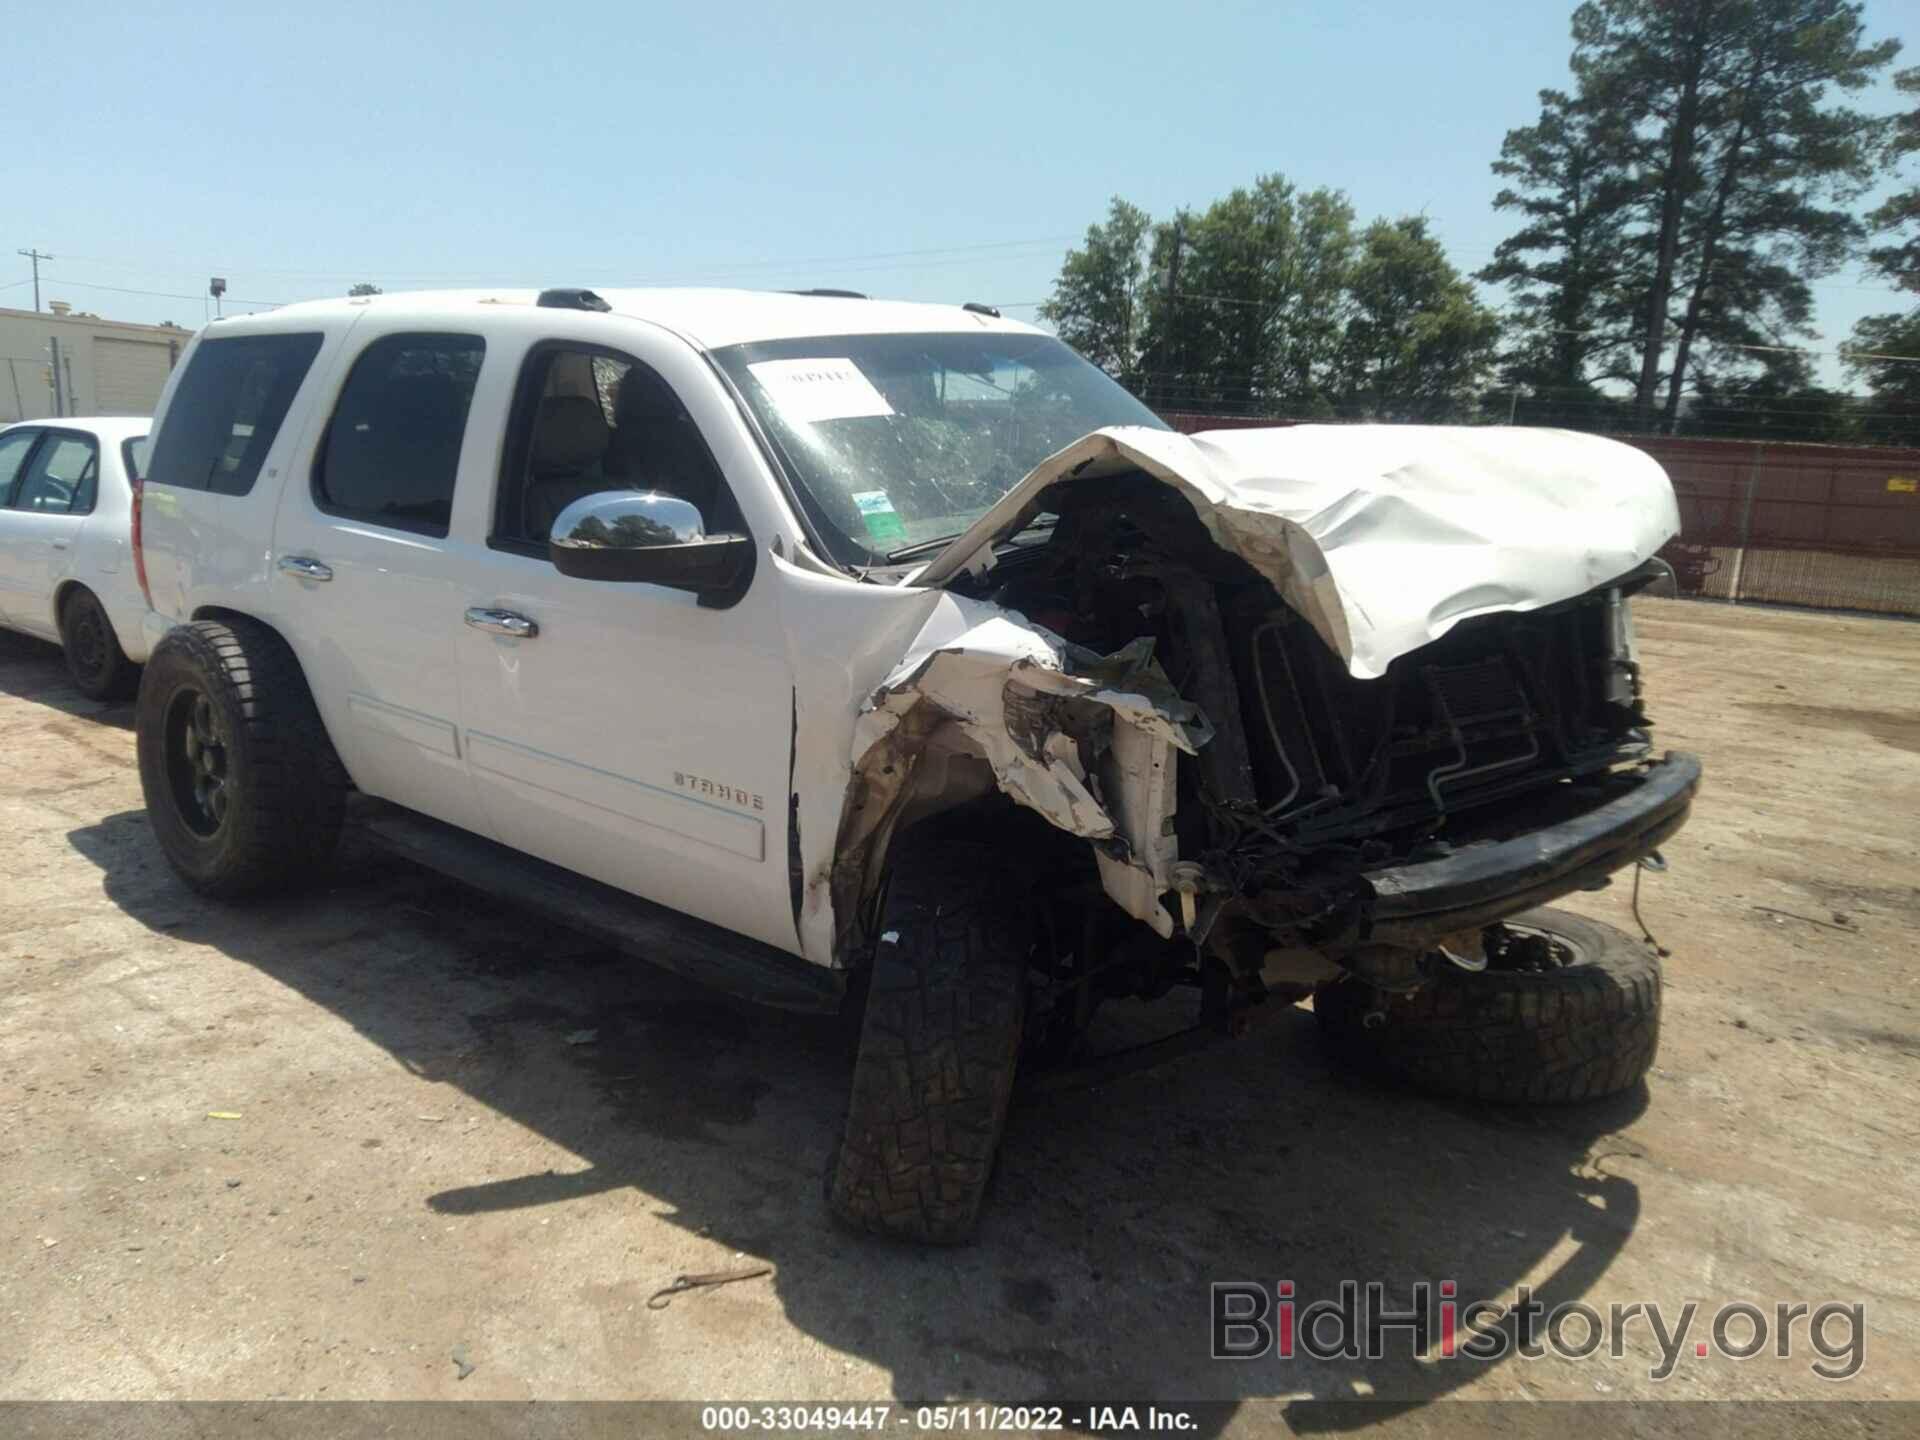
86	642
197	749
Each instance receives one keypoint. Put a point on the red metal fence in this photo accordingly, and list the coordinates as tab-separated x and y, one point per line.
1831	526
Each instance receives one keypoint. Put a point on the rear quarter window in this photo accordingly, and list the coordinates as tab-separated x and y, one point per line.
133	455
227	410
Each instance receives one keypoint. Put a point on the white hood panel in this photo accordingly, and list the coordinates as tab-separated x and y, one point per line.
1383	536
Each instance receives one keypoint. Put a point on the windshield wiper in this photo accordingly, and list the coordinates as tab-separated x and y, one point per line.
921	547
1044	521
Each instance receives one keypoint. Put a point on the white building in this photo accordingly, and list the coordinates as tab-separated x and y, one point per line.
106	367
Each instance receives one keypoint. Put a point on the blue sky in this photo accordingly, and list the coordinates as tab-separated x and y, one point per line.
926	152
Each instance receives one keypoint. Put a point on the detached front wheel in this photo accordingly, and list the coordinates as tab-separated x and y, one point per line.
1568	1009
939	1042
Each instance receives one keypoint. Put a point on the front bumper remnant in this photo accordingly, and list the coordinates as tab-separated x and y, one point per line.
1415	904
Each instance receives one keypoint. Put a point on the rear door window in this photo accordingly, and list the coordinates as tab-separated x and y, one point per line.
62	478
227	410
392	448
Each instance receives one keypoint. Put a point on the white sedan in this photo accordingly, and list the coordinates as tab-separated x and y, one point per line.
66	565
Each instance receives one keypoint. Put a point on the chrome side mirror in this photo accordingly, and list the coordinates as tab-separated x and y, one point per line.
626	520
644	537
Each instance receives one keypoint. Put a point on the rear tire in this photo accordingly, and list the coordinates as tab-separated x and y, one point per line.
99	667
243	788
939	1043
1585	1026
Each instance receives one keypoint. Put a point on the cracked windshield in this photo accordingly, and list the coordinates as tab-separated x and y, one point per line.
900	440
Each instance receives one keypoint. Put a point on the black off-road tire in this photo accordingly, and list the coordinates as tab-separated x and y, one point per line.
1582	1029
281	789
98	666
939	1043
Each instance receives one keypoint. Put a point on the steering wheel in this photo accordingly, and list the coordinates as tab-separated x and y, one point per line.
54	494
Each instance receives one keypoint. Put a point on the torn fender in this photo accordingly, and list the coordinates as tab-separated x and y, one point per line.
1086	740
1383	537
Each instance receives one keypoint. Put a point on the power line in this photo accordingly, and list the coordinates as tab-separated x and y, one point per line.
728	267
162	294
1843	353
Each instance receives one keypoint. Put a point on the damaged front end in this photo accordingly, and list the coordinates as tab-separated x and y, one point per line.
1086	740
1318	701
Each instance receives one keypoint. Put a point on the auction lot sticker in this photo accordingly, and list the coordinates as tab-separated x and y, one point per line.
825	389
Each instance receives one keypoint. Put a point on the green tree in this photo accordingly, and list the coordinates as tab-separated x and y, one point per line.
1885	356
1249	303
1564	268
1780	403
1741	172
1900	261
1097	304
1885	351
1417	344
365	287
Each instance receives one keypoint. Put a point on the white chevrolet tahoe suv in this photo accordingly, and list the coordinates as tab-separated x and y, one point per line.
856	655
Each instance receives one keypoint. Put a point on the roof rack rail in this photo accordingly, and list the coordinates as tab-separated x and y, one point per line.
572	300
831	294
977	308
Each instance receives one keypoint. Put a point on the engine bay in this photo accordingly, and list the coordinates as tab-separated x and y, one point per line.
1313	774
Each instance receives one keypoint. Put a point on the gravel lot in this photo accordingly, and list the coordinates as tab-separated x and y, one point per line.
427	1157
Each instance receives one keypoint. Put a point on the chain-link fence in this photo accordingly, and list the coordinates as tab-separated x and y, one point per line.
1832	526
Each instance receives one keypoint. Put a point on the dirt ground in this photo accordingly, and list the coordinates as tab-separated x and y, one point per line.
316	1148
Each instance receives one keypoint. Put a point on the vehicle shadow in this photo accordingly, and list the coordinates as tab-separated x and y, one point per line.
1113	1211
35	670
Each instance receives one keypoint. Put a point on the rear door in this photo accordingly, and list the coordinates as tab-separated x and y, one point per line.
365	576
52	495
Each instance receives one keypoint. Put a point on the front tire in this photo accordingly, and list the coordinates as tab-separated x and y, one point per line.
243	788
939	1043
98	666
1574	1016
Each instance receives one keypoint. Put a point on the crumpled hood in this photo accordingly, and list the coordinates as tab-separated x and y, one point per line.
1382	536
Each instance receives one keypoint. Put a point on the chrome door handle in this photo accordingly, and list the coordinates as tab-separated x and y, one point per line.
502	622
305	567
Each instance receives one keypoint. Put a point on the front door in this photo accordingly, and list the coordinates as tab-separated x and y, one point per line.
629	733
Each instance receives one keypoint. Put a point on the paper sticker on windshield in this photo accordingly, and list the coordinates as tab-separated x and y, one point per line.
883	522
824	389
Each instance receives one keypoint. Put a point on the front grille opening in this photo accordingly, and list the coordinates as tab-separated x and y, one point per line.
1494	702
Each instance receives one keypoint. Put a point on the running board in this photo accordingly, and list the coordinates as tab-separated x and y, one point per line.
703	953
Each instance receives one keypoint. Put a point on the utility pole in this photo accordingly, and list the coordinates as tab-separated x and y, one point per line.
36	256
53	374
1173	295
